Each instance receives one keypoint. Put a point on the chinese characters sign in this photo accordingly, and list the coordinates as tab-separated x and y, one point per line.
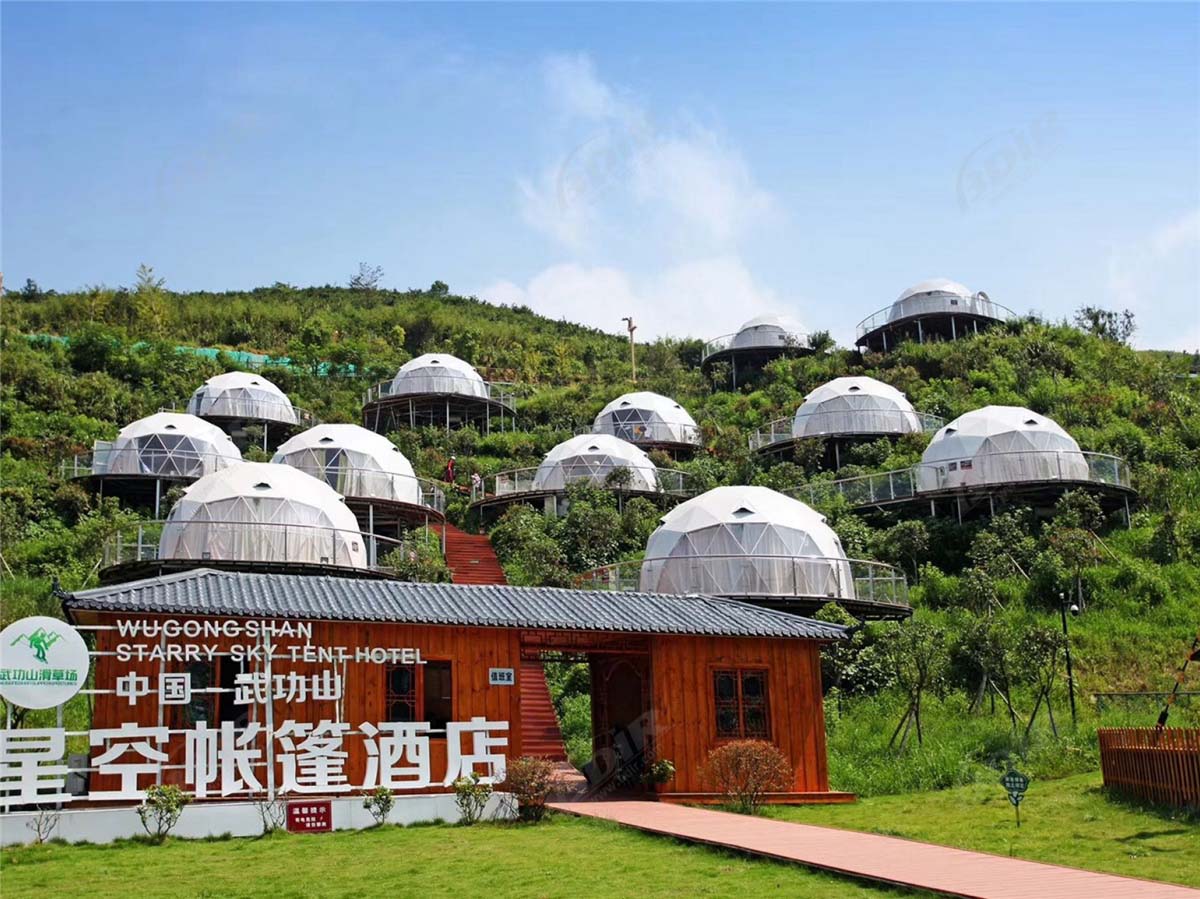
236	762
310	817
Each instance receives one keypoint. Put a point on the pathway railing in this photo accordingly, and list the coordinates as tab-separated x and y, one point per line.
271	411
367	484
757	575
525	480
1040	466
654	432
841	424
1152	764
934	304
748	341
104	459
496	391
203	541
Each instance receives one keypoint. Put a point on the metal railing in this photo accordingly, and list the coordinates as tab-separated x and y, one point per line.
204	541
755	575
1008	469
933	304
271	411
104	459
518	481
839	424
652	432
772	340
368	484
501	392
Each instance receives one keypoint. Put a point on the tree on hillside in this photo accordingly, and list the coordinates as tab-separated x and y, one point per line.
1106	324
368	277
918	655
1039	651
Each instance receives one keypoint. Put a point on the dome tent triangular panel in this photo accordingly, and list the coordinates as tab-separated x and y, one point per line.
769	331
746	541
1000	445
439	373
241	394
646	416
855	405
259	512
167	445
592	458
353	461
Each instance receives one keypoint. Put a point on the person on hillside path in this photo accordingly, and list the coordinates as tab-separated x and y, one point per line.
448	477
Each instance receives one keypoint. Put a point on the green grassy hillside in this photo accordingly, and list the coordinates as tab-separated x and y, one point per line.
983	587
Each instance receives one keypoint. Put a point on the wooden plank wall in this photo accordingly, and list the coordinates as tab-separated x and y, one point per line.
1160	766
685	715
472	652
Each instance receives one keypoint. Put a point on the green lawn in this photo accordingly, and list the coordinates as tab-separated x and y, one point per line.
563	856
1067	822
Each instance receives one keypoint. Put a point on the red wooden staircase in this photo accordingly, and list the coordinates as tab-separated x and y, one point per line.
540	734
472	560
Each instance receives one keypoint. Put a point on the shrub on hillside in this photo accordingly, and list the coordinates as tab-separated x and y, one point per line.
745	771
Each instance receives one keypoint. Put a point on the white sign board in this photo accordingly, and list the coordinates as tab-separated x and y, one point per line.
43	662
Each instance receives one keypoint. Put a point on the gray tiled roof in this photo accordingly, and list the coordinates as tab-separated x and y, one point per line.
206	591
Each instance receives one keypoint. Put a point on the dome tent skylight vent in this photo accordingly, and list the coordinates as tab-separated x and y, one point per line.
262	485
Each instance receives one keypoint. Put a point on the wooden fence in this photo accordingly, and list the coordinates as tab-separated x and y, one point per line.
1160	766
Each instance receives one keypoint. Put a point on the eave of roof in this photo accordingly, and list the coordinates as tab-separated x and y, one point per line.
208	592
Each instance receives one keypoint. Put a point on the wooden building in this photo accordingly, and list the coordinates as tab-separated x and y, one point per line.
672	677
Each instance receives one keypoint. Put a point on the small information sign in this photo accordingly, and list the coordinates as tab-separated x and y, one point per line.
501	677
310	816
1015	783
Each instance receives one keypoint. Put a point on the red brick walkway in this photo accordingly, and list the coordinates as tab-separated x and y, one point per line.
940	869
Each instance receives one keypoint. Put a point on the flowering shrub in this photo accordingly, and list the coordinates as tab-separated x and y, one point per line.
529	782
379	803
160	810
471	797
745	770
660	772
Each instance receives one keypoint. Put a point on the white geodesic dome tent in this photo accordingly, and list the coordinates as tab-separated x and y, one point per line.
746	541
259	512
242	394
1000	445
768	331
439	373
643	415
941	296
166	445
592	458
855	405
353	461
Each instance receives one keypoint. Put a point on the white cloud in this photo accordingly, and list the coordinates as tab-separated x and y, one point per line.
701	298
618	171
702	183
575	90
548	205
1158	277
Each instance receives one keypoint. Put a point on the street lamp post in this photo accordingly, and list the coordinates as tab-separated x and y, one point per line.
1062	608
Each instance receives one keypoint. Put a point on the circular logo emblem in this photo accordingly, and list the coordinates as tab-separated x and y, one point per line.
43	662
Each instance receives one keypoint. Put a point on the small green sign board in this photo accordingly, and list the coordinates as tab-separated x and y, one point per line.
1015	783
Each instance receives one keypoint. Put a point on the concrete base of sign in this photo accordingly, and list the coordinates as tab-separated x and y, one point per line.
239	819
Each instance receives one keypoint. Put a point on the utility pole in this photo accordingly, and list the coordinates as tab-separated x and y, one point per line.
631	327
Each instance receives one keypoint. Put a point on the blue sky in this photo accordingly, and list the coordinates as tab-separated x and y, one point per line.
691	165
